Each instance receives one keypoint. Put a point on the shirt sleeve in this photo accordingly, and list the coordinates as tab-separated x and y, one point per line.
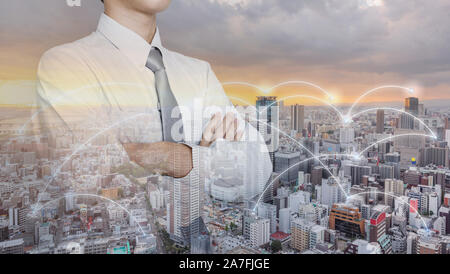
64	93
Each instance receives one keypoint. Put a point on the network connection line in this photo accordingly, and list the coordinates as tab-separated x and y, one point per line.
293	82
347	118
35	210
306	96
409	90
290	167
58	170
394	196
330	96
400	111
242	101
393	137
238	83
307	150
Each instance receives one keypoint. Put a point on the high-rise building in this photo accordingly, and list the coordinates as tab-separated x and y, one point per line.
316	175
316	236
357	173
347	220
4	230
300	233
346	135
285	220
255	229
386	172
268	211
267	115
185	205
377	231
380	121
412	107
297	117
297	198
281	201
286	163
392	187
434	155
330	192
444	211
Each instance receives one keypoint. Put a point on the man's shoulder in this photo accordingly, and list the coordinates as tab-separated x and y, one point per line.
188	61
72	51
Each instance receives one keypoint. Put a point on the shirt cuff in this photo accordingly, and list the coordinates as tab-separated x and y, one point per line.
198	156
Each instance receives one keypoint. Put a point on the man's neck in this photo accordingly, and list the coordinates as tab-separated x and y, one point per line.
143	24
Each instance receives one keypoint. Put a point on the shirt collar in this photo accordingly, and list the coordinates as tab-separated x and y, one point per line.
127	41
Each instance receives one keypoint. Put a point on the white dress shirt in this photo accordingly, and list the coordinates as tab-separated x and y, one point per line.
101	81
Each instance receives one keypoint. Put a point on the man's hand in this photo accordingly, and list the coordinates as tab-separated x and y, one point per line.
226	128
165	158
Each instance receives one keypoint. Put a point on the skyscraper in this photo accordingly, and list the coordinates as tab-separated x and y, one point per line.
412	107
267	115
357	172
316	175
287	162
184	219
380	121
297	117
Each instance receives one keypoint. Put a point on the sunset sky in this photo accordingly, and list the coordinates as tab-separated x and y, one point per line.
345	46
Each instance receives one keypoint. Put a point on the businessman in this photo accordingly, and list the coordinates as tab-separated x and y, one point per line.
165	107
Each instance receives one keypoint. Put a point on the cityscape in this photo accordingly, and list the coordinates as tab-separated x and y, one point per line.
359	179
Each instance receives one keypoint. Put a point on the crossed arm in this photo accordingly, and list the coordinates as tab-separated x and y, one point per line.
175	159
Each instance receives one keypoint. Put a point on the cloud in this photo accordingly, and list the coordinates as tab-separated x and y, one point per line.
351	44
29	28
402	37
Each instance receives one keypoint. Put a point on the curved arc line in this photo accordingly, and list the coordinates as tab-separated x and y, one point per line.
392	195
307	150
287	169
372	90
393	137
397	110
89	195
307	96
85	143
